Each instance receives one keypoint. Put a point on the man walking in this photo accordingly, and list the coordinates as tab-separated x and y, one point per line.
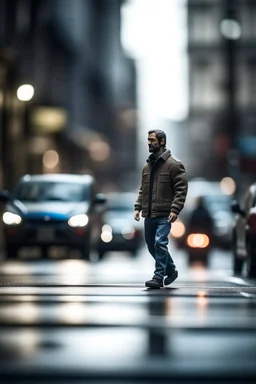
161	197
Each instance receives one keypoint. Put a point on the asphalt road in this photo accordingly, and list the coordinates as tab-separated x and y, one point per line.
71	321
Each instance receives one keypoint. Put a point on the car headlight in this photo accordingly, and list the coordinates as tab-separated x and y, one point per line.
78	220
128	233
106	233
10	218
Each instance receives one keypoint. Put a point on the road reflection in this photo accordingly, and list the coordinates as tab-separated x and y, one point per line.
157	335
97	318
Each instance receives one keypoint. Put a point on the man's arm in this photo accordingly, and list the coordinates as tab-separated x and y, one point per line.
172	217
137	205
180	188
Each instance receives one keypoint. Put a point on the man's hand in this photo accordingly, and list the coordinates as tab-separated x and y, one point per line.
172	217
137	215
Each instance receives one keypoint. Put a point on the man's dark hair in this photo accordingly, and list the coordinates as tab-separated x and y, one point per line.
159	134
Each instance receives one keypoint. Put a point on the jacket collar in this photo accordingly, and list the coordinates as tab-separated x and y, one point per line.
164	156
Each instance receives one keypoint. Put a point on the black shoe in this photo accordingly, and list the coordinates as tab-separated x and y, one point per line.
154	283
170	278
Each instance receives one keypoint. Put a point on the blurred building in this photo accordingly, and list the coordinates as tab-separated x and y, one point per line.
222	80
82	117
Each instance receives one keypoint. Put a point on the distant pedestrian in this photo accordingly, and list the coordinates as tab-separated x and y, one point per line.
161	198
201	220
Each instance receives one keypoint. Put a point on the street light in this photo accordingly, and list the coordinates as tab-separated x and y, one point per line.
25	92
230	29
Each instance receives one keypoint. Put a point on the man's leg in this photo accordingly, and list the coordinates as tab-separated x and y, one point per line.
150	233
170	267
150	226
164	261
171	271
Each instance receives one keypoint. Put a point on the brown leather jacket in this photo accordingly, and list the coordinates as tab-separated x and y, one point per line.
163	188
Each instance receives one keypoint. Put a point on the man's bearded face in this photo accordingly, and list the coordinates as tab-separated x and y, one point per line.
153	143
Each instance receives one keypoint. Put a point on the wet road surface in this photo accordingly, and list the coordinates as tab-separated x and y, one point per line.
71	321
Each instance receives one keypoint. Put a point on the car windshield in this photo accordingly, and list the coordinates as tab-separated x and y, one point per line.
218	202
52	191
120	203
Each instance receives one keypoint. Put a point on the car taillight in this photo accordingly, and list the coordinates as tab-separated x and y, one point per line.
251	221
198	240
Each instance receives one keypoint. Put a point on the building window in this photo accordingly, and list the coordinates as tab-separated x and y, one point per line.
204	25
206	84
247	14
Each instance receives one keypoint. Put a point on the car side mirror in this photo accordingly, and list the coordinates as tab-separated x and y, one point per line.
100	198
235	208
4	196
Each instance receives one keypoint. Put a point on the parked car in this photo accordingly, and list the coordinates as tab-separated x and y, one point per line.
218	205
244	232
120	231
51	210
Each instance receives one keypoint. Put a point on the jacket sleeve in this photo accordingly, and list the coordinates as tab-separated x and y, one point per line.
137	205
180	187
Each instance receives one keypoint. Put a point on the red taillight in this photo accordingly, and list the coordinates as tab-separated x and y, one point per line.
12	232
80	232
251	221
198	240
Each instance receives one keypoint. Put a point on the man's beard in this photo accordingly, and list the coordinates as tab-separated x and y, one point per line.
154	148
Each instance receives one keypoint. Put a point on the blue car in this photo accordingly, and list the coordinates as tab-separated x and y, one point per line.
52	210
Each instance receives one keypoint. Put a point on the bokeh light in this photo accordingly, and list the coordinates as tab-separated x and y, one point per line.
25	92
228	186
50	159
99	150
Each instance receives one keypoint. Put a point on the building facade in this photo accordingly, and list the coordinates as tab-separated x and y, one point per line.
81	118
222	81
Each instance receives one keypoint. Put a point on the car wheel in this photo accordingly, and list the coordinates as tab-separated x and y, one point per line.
85	252
237	263
205	259
191	258
44	252
11	251
101	255
251	264
237	266
134	252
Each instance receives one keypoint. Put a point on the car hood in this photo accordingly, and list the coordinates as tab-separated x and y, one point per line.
121	220
49	208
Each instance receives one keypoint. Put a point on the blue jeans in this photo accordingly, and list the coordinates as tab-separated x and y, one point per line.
156	235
